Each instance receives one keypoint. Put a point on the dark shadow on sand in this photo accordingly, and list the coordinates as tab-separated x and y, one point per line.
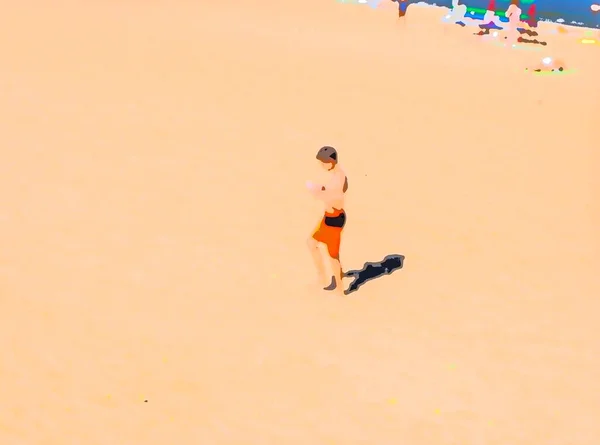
371	271
486	30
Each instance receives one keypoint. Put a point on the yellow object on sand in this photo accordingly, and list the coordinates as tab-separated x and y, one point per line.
562	30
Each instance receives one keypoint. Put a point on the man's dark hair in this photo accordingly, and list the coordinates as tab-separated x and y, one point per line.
327	154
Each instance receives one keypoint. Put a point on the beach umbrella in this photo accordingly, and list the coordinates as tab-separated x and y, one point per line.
532	20
492	6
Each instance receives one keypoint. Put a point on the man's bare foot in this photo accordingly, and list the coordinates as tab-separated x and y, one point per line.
332	285
320	283
335	288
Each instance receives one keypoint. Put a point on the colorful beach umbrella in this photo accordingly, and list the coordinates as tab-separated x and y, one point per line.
532	13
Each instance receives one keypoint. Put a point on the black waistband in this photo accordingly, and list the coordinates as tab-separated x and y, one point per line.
336	221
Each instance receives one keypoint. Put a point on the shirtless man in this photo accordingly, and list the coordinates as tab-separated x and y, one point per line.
458	12
513	14
329	230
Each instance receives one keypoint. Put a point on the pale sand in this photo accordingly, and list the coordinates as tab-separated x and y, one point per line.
153	219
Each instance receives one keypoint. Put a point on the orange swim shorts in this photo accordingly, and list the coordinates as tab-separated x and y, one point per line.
329	231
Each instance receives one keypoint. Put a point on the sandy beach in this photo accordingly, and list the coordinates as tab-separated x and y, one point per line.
155	286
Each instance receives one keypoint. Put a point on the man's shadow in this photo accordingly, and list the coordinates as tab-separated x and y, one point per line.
371	271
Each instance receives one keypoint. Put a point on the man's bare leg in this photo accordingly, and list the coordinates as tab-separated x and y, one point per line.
313	246
336	269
